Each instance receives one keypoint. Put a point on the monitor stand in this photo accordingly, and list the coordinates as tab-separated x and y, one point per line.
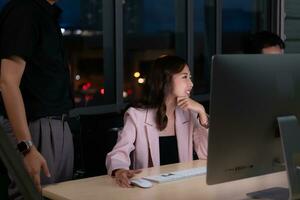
290	141
275	193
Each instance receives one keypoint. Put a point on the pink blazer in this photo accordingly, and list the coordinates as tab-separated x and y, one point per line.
139	139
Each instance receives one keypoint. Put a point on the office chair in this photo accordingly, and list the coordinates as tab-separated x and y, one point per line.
98	135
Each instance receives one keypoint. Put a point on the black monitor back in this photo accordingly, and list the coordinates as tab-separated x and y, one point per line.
248	93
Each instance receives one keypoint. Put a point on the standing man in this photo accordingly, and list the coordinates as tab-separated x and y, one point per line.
35	87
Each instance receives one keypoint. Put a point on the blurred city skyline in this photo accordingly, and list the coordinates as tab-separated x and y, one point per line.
154	17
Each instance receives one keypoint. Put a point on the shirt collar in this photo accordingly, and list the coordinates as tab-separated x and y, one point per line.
53	10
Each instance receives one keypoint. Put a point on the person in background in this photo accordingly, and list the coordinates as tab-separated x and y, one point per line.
164	127
264	42
36	91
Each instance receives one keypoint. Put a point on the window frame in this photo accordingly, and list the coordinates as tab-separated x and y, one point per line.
113	46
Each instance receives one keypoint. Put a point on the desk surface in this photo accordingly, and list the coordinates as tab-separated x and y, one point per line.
104	187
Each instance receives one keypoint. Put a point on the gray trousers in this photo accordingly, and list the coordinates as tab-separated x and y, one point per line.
53	139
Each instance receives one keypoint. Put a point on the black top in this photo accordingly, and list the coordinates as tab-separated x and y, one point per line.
30	29
168	150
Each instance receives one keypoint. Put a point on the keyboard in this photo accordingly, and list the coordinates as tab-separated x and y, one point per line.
177	175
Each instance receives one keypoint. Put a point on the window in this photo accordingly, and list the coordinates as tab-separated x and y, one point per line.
151	29
92	66
112	43
239	18
204	44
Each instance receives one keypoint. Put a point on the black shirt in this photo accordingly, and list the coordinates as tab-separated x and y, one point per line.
168	150
30	29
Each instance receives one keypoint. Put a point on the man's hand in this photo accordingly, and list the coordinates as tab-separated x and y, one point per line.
34	162
12	70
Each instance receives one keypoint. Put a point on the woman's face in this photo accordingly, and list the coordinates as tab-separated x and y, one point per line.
181	83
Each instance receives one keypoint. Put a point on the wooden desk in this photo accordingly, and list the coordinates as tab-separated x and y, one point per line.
104	187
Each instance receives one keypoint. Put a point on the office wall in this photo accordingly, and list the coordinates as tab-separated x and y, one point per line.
292	26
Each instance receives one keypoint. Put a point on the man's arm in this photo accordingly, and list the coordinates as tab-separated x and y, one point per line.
12	70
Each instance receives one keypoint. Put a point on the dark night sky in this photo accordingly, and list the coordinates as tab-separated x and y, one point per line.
160	17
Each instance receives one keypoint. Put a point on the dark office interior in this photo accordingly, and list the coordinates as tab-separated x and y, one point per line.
112	43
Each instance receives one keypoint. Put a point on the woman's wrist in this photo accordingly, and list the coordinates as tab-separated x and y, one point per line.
201	110
116	171
113	173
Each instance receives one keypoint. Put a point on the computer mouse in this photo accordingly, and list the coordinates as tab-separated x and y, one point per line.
141	183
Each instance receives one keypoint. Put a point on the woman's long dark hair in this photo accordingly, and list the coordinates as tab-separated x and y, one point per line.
158	85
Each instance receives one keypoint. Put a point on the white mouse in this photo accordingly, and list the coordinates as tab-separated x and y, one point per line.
141	183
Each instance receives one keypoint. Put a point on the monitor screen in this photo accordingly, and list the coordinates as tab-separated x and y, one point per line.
248	93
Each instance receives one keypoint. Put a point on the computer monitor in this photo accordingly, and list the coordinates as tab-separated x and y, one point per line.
248	94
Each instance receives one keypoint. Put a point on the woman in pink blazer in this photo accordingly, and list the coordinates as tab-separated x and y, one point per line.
166	116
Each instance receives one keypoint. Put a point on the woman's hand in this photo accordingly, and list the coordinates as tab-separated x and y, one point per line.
187	103
123	176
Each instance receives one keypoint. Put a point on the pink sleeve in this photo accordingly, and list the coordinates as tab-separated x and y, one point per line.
119	157
200	137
